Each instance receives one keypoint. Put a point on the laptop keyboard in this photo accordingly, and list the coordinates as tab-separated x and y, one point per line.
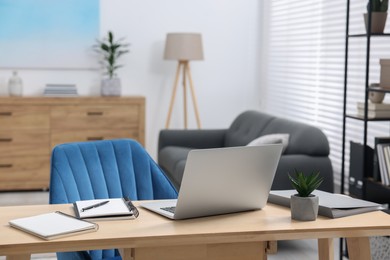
169	209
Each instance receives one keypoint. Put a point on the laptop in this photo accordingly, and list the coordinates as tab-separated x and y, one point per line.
222	180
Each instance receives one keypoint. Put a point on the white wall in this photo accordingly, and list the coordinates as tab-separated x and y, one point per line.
226	82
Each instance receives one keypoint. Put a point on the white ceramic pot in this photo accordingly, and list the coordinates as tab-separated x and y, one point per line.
111	87
376	96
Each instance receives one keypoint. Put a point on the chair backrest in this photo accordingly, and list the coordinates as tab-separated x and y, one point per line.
246	127
106	169
304	138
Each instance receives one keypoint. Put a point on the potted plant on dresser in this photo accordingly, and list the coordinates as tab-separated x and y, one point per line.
378	15
111	50
304	205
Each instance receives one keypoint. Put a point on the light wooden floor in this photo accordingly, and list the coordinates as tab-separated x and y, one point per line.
287	250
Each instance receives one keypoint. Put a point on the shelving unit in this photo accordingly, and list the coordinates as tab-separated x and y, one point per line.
368	188
371	190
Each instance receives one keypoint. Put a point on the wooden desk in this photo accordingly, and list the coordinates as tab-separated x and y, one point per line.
233	236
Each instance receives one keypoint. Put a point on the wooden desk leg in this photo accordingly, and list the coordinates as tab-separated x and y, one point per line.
358	248
231	251
272	247
126	253
18	257
325	249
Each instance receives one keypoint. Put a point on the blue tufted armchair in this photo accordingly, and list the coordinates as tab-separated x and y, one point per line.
105	169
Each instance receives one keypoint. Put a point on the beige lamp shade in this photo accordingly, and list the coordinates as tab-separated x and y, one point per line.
183	46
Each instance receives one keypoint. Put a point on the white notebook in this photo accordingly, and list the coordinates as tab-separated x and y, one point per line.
53	225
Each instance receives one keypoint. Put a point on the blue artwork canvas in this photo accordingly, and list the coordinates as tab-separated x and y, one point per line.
48	33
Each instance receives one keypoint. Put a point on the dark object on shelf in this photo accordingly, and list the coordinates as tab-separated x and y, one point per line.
378	140
376	191
356	172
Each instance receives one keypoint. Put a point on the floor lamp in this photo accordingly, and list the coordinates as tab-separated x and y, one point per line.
183	47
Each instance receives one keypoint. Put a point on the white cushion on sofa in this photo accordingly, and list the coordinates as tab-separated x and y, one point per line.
271	139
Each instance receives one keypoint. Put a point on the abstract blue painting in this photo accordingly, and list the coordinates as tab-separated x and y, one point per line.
48	33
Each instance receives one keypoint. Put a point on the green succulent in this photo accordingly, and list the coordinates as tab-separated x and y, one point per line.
378	5
111	50
305	184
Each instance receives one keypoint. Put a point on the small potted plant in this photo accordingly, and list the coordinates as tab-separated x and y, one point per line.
378	15
304	205
111	50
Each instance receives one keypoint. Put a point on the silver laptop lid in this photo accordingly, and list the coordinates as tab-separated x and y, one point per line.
226	180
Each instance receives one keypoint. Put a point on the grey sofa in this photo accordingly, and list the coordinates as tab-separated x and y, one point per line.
307	150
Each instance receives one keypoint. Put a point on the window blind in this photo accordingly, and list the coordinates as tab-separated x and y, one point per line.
304	75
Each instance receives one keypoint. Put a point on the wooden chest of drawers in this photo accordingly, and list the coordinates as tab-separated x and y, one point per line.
30	127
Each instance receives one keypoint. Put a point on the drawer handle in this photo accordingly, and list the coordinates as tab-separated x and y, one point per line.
5	113
6	165
95	138
5	139
95	113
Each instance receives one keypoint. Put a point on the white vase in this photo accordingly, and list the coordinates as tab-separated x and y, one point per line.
376	96
15	85
111	87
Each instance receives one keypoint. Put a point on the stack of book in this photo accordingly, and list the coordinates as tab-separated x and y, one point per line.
331	205
375	110
60	90
383	153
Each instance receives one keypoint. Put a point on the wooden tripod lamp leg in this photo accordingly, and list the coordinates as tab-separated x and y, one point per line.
185	63
194	101
173	95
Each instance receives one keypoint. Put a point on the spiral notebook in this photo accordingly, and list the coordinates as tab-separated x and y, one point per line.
105	209
53	225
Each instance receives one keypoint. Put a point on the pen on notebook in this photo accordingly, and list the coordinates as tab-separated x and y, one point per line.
95	205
